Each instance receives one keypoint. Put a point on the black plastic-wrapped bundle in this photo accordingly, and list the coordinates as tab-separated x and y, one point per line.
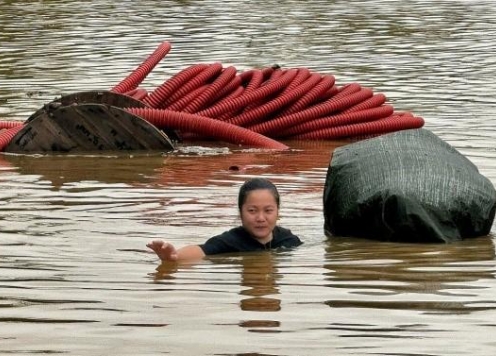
407	186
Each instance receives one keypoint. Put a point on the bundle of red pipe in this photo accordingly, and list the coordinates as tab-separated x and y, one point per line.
258	106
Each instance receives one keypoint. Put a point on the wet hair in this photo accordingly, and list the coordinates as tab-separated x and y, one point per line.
255	184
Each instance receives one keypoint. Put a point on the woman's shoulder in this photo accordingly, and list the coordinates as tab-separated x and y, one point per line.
282	231
283	234
234	232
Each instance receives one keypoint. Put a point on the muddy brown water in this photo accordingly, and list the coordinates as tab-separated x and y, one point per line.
75	277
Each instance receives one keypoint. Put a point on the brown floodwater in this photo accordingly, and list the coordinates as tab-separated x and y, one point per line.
75	276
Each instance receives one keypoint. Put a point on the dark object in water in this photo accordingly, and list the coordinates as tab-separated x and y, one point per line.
97	97
407	186
85	128
89	97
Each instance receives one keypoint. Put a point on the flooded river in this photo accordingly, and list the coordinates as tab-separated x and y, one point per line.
75	276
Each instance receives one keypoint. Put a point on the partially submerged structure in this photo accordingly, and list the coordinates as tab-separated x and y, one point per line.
254	108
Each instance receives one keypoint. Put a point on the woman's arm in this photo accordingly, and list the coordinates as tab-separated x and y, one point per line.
167	252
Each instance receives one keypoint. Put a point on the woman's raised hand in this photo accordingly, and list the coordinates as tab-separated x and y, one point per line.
164	250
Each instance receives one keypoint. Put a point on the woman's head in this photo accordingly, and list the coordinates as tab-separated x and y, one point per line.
258	204
255	184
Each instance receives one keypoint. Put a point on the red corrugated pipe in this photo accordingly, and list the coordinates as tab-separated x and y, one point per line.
188	98
336	103
296	100
204	77
136	77
10	124
233	85
206	126
164	91
373	102
391	124
206	96
253	116
247	98
344	118
270	101
140	94
7	135
325	84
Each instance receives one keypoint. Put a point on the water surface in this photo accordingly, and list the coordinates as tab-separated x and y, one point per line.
74	274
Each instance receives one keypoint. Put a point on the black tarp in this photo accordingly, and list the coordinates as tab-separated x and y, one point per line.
407	186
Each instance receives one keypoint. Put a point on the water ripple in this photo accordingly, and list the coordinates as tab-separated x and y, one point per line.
74	228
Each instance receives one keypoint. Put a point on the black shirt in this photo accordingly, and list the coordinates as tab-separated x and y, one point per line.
238	240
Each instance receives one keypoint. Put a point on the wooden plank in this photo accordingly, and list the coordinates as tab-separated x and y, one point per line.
88	127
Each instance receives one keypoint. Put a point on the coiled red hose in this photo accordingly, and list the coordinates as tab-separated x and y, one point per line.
234	85
206	96
161	93
258	105
254	78
252	116
330	93
188	98
276	102
391	124
206	126
246	98
140	94
336	103
200	79
136	77
348	89
326	83
226	116
7	135
344	118
276	74
292	103
10	124
303	75
373	102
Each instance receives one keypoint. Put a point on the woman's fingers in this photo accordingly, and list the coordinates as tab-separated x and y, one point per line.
164	250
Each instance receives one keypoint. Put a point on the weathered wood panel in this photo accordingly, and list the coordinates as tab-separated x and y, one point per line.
96	97
88	127
90	97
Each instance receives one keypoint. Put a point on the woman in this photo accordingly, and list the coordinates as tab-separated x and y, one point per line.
258	203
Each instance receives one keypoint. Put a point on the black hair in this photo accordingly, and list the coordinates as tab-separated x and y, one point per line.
255	184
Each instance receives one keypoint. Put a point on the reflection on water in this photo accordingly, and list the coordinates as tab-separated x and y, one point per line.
442	273
191	165
258	280
259	277
62	169
74	274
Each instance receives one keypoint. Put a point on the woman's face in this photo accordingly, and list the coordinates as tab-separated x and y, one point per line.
259	214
